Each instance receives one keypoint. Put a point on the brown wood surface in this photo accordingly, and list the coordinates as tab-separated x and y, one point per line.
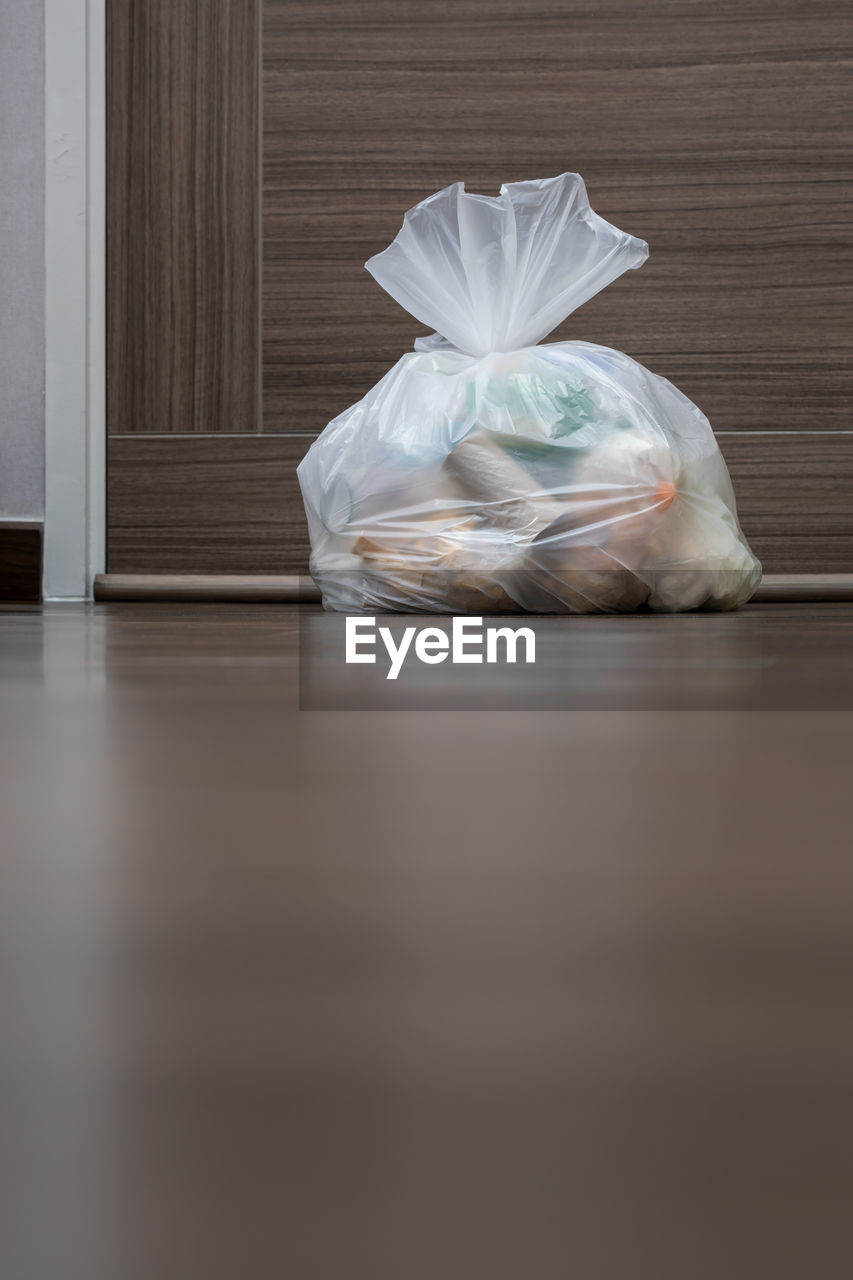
420	996
232	504
720	134
183	215
20	559
795	499
196	504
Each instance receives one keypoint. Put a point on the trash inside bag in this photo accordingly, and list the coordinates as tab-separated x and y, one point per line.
488	474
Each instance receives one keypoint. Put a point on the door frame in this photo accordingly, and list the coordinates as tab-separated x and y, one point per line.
75	297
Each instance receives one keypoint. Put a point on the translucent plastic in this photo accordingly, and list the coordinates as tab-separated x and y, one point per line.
485	473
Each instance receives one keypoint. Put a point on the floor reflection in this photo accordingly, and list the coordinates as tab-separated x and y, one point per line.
406	995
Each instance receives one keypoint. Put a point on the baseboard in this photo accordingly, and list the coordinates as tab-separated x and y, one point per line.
775	588
21	553
802	588
290	588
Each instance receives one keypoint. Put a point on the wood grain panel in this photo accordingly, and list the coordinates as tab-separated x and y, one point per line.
232	505
720	135
183	215
206	504
794	499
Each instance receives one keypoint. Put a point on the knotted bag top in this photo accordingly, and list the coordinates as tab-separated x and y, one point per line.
498	273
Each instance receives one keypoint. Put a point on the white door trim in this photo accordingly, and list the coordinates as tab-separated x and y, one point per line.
75	297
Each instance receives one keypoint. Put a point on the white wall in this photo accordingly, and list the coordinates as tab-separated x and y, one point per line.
22	259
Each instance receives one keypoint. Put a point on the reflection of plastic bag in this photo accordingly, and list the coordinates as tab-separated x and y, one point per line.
485	473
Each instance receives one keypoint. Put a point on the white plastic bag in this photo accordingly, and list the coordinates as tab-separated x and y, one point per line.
485	473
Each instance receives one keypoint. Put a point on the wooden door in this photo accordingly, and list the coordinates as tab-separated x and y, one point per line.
241	320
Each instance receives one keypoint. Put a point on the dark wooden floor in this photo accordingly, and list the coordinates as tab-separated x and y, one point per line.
407	996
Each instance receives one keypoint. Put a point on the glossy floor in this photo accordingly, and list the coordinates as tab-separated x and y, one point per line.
414	996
